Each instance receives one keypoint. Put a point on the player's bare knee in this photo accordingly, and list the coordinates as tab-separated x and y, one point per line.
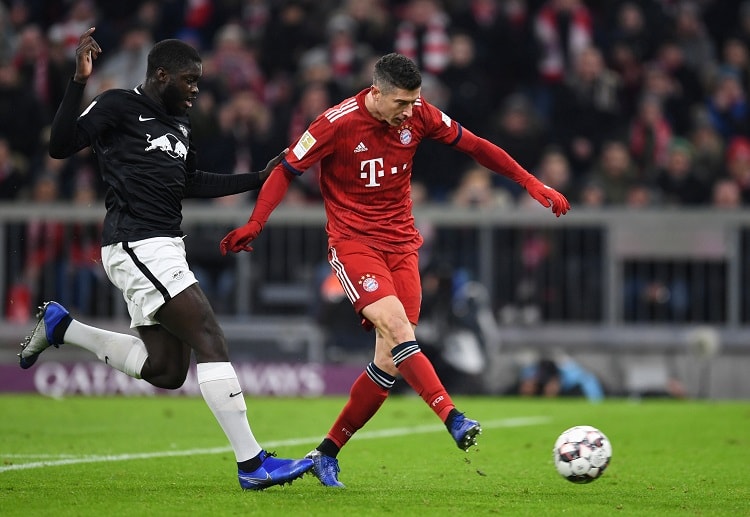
385	363
396	329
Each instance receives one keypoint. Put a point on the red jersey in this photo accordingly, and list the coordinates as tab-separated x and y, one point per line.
366	166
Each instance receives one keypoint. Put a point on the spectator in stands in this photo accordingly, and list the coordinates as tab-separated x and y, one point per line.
506	48
623	61
727	105
476	191
678	182
344	53
80	15
205	119
24	13
436	164
236	62
289	33
586	109
735	55
640	195
422	35
466	84
689	32
42	72
737	162
125	62
670	58
373	24
251	130
13	173
614	172
519	130
633	27
23	133
313	100
650	135
708	147
726	194
677	108
213	124
563	29
591	194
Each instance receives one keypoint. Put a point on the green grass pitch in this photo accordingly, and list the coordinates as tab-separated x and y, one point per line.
166	456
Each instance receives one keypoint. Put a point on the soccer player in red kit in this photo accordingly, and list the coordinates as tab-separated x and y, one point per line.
365	147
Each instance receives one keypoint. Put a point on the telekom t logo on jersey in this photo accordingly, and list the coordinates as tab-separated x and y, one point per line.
373	169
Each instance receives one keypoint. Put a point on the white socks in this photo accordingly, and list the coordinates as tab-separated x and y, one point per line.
217	381
121	351
221	390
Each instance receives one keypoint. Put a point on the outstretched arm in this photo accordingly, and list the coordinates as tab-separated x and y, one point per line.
494	158
202	184
64	136
269	197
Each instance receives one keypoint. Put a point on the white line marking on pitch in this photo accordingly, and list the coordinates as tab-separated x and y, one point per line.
66	459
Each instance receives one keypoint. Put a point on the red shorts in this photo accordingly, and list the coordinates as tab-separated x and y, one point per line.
367	275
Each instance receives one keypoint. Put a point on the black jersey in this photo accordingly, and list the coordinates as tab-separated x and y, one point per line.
144	155
146	158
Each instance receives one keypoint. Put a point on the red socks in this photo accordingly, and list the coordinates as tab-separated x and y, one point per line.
418	371
368	393
371	389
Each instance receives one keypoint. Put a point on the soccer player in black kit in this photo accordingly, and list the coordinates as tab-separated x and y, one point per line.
142	141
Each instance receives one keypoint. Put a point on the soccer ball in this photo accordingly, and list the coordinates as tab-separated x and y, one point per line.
582	453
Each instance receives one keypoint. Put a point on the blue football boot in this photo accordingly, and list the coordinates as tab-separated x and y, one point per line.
49	315
325	468
464	431
273	471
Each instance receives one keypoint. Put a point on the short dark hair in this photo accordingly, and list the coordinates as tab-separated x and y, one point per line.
396	71
172	55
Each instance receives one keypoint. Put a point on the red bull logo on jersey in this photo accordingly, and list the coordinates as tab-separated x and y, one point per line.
168	143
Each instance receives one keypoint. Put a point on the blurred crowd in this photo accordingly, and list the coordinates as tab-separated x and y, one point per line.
613	102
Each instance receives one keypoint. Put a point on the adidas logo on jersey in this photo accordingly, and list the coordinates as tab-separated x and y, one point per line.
361	148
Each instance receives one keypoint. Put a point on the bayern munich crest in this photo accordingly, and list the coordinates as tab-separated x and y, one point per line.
368	283
405	136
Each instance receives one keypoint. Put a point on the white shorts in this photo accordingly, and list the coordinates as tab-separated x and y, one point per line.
149	273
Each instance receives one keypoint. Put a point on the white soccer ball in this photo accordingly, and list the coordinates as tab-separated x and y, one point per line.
582	454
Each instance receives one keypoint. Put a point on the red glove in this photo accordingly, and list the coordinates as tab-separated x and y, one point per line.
240	238
547	196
